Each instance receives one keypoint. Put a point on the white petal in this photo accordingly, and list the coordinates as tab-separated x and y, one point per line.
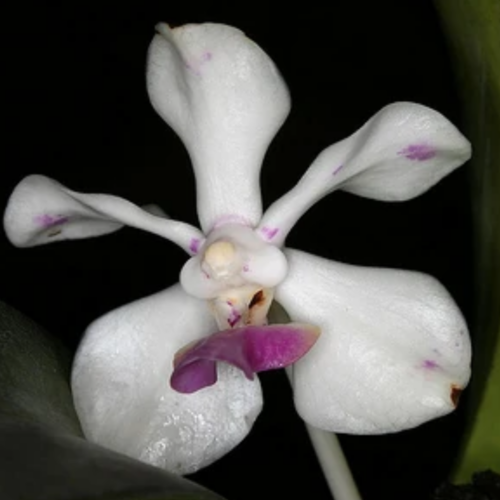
226	100
123	397
41	210
398	154
393	351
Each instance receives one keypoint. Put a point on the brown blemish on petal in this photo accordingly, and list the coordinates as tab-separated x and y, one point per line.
257	299
53	233
455	394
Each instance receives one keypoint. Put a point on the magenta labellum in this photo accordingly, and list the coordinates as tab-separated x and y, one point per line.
252	349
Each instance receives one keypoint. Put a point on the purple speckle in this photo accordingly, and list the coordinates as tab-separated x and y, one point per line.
233	318
429	364
246	268
51	220
338	169
195	65
418	152
234	315
269	232
194	245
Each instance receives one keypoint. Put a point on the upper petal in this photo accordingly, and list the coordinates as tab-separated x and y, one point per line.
226	100
398	154
123	396
41	210
393	353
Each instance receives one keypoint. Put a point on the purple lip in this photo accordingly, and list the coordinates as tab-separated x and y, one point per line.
252	349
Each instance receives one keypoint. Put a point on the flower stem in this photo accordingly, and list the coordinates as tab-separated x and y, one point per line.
332	460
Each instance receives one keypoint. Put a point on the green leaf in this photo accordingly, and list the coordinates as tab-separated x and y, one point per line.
34	375
473	28
42	453
38	464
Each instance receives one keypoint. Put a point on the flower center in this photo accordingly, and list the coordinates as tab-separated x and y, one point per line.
236	272
221	260
233	257
246	305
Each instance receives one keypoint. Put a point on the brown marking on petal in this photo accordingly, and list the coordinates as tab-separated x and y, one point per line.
53	233
257	299
455	394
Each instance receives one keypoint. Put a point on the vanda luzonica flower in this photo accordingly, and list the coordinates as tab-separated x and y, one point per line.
169	379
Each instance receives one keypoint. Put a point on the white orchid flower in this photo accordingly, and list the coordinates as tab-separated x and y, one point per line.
169	379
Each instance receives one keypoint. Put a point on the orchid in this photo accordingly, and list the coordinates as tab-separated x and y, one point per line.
170	379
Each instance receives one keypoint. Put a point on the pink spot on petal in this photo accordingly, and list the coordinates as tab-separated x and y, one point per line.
269	232
51	220
338	169
246	268
418	152
194	245
252	349
429	364
195	65
230	219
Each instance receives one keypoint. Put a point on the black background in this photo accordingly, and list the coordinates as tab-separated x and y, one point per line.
76	110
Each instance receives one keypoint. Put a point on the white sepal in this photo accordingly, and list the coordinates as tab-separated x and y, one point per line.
41	210
226	100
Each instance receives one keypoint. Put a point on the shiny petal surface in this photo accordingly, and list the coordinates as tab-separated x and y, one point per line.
226	100
398	154
252	349
393	353
41	210
123	397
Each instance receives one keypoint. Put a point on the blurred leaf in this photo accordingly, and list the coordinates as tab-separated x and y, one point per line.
34	375
42	456
36	464
473	28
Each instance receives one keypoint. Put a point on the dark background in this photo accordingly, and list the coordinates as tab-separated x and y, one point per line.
77	111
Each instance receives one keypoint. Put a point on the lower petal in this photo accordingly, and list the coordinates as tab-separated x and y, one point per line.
394	350
123	397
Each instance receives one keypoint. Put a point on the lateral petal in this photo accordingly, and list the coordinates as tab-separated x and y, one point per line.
123	396
393	352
